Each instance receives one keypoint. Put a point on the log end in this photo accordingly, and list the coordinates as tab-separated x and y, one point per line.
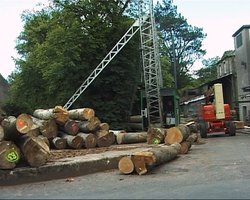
126	165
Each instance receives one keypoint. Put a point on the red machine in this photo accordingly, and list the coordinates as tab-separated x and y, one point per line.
216	116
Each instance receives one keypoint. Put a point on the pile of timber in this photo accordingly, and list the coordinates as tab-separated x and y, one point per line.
31	137
168	143
135	123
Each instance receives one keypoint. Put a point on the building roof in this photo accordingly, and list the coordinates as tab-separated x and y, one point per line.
240	29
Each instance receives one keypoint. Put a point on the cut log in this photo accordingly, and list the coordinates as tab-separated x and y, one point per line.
192	127
126	165
135	119
10	130
129	138
104	138
104	126
45	139
74	142
186	145
70	127
156	135
9	155
89	126
81	114
1	133
58	113
35	151
145	161
89	140
27	124
177	134
59	143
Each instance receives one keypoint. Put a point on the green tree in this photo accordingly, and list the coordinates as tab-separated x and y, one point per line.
209	70
61	45
182	41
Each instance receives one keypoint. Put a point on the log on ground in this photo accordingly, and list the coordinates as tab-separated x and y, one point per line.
156	135
177	134
135	119
186	145
104	138
1	133
145	161
126	165
58	143
89	140
130	138
73	141
35	151
9	155
104	126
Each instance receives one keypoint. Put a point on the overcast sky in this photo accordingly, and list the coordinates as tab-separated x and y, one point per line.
218	18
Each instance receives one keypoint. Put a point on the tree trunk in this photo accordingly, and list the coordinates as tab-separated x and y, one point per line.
126	165
58	113
156	135
104	126
186	145
129	138
1	133
9	155
104	138
27	124
177	134
89	126
59	143
70	127
74	142
10	130
135	119
35	151
145	161
89	140
81	114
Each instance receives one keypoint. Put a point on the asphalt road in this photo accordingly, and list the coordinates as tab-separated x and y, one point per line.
219	169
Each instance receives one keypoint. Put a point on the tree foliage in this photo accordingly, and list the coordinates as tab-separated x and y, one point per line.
62	44
182	41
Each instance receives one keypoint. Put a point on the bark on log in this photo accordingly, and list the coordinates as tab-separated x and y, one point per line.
126	165
89	126
177	134
104	126
186	145
59	143
129	138
74	142
81	114
70	127
135	119
58	113
156	135
145	161
27	124
35	151
1	133
192	127
9	155
104	138
45	139
10	130
89	140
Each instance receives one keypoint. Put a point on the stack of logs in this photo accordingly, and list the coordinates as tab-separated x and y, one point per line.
30	137
168	144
